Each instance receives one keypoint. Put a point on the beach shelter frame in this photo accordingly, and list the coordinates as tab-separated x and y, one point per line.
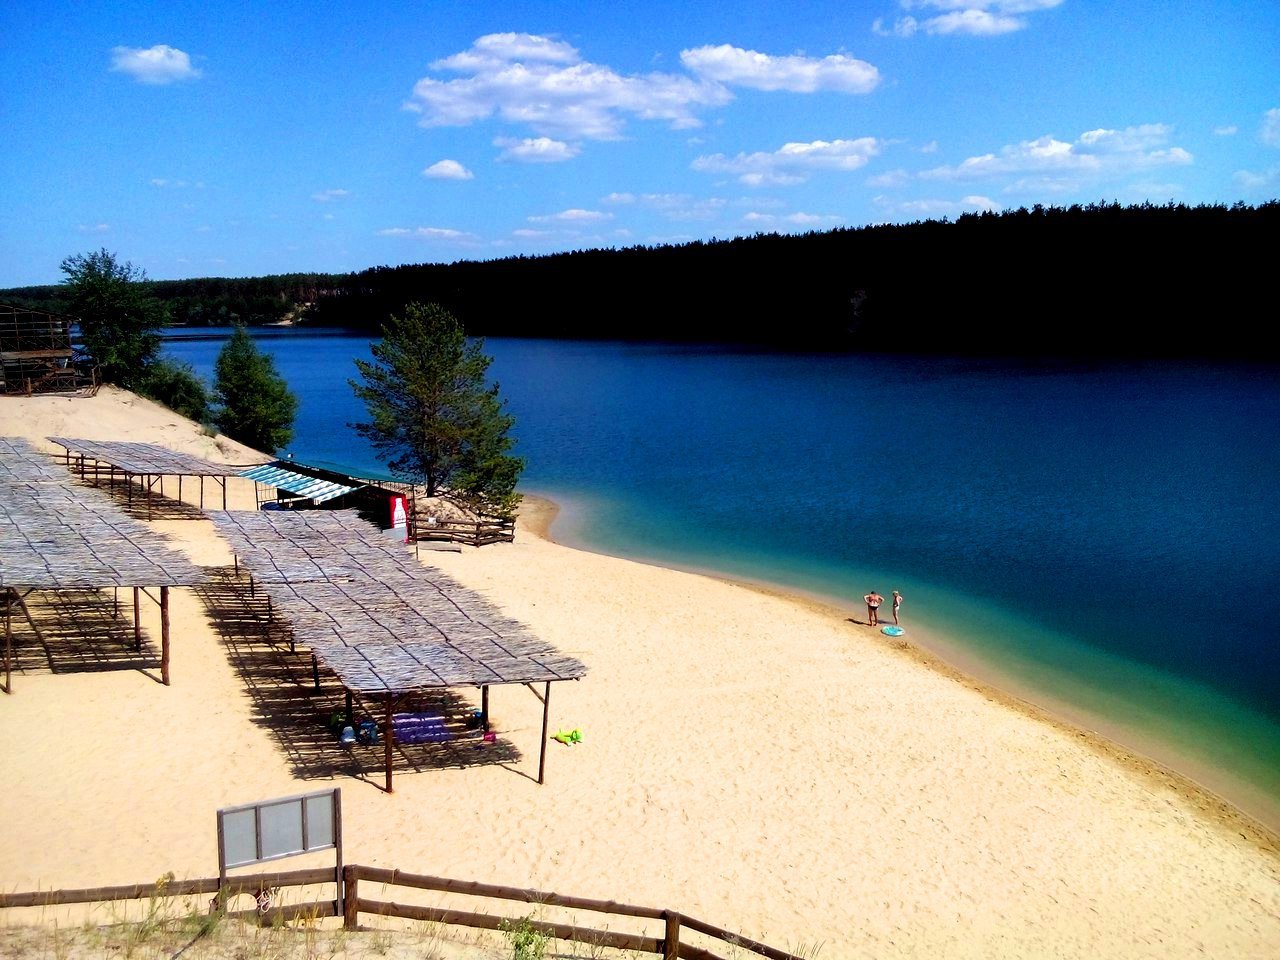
384	624
59	536
146	462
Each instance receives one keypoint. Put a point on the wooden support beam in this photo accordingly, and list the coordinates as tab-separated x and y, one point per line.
350	898
137	621
351	717
164	635
388	739
546	710
484	707
8	642
671	942
315	672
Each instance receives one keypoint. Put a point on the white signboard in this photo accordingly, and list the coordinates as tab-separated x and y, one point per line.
273	829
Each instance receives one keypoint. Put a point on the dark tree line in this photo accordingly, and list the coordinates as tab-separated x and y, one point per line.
210	301
1097	279
1100	279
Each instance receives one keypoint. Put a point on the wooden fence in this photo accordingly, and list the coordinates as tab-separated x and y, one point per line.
669	945
474	533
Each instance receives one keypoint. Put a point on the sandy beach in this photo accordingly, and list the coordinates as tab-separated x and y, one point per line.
756	760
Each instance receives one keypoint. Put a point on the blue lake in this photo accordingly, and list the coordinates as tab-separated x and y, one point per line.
1103	539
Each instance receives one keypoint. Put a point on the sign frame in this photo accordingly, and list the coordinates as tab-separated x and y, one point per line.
311	835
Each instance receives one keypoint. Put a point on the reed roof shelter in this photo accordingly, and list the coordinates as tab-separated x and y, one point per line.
59	536
148	463
385	625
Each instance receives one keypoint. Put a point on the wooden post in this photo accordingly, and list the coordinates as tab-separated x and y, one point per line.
179	486
315	672
137	622
671	942
351	719
202	491
388	738
223	481
350	898
546	710
164	635
484	707
8	642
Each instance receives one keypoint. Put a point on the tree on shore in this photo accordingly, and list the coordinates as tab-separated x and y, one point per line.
255	405
433	419
119	318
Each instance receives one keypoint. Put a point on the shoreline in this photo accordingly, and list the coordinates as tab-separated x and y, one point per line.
1261	826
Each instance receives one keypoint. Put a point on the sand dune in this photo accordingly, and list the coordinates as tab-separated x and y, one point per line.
753	760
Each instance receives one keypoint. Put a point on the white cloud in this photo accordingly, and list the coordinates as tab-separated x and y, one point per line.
448	170
793	162
93	227
673	206
891	178
933	208
160	64
426	233
536	150
574	215
527	234
798	219
930	147
761	71
1230	130
1270	133
979	18
327	196
1093	155
1249	180
546	85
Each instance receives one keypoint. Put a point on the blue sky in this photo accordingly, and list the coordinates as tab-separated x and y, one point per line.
232	139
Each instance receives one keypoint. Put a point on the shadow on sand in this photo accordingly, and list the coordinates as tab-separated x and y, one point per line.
305	721
80	631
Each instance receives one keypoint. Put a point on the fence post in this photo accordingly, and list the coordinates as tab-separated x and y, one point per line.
671	942
350	897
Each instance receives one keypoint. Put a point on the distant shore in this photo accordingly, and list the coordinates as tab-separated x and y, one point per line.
749	757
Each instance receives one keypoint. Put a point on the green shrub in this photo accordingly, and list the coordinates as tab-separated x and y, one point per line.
178	387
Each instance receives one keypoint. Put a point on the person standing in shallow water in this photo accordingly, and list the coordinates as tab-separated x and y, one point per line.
897	602
873	605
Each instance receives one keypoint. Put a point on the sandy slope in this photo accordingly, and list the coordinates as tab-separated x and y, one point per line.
761	763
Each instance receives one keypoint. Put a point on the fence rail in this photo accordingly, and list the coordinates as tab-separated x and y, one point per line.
474	533
669	945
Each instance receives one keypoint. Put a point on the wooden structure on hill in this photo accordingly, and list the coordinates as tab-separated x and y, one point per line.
385	625
36	355
147	463
60	536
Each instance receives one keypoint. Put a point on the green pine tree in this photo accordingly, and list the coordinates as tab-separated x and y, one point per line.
433	419
256	406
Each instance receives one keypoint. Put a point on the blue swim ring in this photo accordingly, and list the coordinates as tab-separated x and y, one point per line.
892	631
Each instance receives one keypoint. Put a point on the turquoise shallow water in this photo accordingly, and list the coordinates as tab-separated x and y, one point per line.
1104	538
